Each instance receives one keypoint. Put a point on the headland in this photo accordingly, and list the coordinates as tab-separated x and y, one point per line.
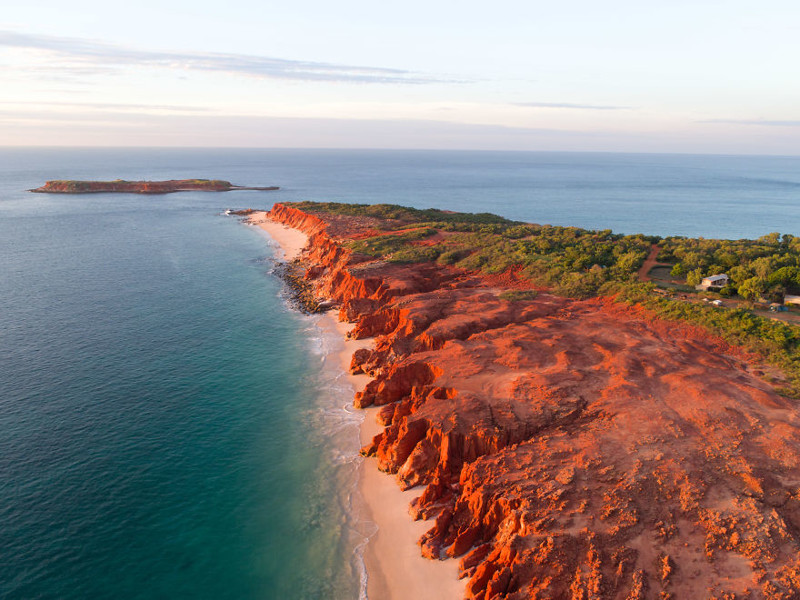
581	444
120	186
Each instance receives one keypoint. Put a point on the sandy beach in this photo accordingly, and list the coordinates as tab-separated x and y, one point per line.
290	241
395	568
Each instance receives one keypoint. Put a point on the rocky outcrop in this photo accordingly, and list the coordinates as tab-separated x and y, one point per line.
65	186
563	448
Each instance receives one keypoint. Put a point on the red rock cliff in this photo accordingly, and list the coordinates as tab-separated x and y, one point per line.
563	448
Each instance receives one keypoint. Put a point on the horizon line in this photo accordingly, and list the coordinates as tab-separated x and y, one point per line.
381	149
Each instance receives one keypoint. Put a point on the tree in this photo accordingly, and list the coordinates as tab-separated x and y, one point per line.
763	266
751	289
773	239
694	277
739	274
788	276
677	270
627	263
777	294
726	258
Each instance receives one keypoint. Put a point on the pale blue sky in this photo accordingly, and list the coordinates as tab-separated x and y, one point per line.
679	76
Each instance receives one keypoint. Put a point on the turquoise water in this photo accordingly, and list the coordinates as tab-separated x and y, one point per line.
163	432
170	428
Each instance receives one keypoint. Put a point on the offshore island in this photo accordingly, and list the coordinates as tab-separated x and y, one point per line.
120	186
567	427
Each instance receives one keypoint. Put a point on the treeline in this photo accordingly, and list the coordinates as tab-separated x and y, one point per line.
571	261
401	215
768	267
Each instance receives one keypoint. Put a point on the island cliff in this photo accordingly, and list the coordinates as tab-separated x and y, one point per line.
564	448
67	186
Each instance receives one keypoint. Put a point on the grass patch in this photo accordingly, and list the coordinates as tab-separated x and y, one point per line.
519	295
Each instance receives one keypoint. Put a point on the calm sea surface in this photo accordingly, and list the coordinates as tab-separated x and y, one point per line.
169	428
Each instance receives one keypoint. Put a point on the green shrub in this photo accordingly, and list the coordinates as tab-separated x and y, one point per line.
381	245
518	295
451	257
415	254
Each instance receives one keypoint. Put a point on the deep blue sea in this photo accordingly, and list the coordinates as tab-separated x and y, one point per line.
169	427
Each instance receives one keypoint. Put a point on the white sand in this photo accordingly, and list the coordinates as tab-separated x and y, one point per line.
395	568
291	241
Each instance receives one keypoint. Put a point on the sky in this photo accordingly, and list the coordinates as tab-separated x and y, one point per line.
683	76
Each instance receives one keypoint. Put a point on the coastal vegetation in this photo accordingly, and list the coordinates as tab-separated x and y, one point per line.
571	261
581	263
70	186
766	267
518	295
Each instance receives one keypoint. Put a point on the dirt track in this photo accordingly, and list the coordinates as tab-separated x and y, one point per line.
649	263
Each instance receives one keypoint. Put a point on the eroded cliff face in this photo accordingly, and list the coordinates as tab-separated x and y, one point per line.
563	448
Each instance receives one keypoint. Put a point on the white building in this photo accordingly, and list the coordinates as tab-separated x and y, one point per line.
718	281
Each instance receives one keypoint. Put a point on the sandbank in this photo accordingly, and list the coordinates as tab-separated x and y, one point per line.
395	567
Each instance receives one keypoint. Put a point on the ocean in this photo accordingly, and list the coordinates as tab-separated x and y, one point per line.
171	428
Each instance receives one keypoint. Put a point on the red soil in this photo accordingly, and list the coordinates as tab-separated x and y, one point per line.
649	263
569	449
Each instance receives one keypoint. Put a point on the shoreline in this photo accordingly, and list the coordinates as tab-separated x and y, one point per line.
391	553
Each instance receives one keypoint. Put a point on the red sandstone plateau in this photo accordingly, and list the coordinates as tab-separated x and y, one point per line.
66	186
575	449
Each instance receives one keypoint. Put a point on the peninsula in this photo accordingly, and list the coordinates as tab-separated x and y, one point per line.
566	431
119	186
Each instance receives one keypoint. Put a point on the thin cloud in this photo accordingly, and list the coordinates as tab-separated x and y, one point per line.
111	106
570	105
97	54
764	122
386	128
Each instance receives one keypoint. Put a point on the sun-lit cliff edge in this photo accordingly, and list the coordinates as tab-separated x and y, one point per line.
68	186
563	448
